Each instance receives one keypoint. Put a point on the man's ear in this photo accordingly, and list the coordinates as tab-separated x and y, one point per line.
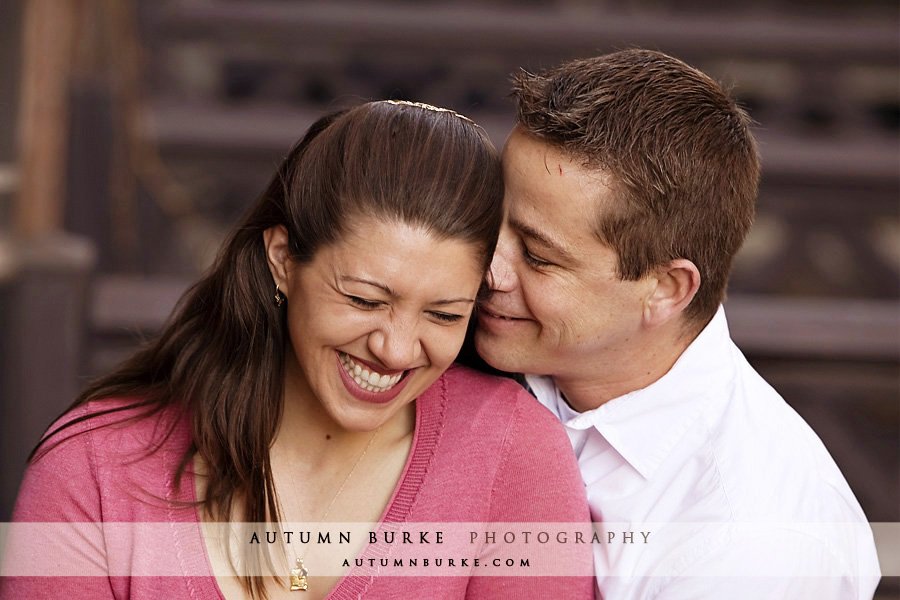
278	255
676	284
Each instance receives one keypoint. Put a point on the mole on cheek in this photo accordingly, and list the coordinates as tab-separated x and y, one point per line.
560	170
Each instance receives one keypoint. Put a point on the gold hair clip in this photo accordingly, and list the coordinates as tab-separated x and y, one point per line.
431	107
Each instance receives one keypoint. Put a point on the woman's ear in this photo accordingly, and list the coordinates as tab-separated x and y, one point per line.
278	254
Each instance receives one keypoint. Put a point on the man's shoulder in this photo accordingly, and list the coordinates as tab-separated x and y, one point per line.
770	461
748	494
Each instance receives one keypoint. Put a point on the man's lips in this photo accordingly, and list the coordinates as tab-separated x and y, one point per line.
499	314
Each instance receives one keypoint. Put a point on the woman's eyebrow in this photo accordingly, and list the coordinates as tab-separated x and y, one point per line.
391	292
454	301
380	286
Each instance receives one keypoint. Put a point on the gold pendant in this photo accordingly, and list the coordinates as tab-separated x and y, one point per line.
298	577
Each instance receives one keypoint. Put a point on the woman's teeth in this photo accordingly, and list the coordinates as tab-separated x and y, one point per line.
367	380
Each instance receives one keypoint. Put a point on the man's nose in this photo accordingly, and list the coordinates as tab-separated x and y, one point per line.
396	344
502	275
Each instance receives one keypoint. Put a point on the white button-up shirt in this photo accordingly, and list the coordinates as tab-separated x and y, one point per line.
739	496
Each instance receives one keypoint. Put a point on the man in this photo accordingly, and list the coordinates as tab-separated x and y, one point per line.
631	181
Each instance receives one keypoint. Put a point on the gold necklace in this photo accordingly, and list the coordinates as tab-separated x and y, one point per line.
299	574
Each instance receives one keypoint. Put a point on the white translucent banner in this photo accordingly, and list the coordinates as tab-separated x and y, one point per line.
421	549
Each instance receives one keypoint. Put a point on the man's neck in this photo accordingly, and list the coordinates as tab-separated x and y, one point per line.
620	371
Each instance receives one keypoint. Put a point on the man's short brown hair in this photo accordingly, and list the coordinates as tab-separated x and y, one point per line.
683	163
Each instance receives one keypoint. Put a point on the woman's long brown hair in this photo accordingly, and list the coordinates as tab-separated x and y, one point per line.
220	356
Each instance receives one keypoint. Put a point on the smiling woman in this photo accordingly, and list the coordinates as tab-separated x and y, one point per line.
371	328
309	378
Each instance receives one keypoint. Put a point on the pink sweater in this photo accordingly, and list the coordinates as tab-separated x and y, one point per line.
483	451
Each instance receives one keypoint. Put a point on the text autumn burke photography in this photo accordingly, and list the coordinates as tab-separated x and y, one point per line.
438	537
456	547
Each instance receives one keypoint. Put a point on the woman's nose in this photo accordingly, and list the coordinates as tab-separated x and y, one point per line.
396	345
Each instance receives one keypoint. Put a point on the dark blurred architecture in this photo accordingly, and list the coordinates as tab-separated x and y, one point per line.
179	113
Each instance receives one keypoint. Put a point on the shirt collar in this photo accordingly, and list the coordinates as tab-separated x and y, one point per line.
644	425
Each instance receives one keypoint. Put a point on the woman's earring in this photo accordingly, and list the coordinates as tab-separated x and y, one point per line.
279	297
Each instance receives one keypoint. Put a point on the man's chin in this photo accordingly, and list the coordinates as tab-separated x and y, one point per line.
501	352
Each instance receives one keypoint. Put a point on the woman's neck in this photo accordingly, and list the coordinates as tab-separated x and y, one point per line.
308	433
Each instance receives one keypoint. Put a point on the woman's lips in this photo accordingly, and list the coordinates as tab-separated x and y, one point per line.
361	387
374	367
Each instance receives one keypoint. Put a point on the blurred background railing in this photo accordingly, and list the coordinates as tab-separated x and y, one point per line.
137	131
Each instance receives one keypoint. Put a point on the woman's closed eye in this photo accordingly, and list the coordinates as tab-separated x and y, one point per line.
363	303
373	304
445	317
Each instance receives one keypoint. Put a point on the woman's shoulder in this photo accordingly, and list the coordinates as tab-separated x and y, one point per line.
97	457
470	390
465	379
497	424
112	428
476	407
136	415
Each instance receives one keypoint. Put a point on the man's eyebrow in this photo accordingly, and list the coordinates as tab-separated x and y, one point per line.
391	292
542	238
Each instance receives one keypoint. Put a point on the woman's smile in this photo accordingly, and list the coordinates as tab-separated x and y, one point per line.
388	325
366	383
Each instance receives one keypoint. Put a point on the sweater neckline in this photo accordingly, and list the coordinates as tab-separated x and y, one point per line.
428	427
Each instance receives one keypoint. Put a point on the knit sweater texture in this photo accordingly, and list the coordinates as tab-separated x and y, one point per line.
483	451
